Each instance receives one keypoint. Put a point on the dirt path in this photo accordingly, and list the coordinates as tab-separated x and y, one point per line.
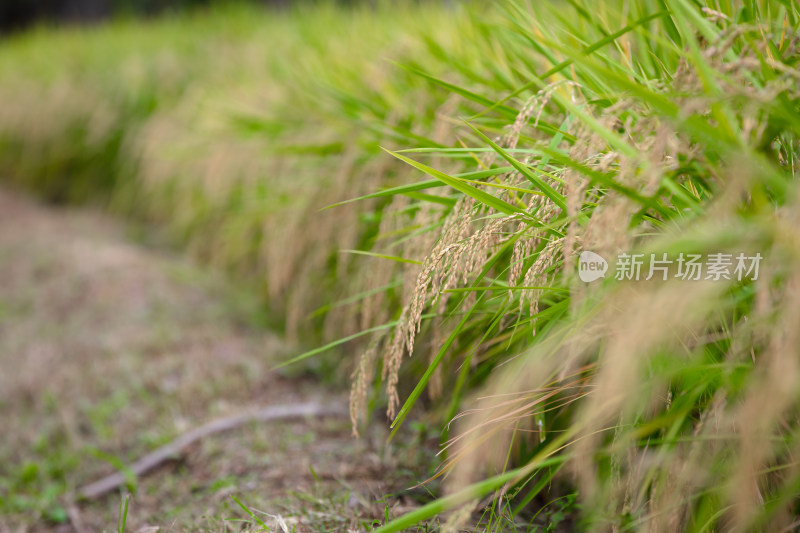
109	350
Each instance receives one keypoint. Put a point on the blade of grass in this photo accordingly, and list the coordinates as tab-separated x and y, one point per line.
481	196
382	256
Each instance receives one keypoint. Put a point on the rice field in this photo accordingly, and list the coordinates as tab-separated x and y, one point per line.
563	236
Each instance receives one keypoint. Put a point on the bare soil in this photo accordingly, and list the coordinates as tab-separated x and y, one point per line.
109	349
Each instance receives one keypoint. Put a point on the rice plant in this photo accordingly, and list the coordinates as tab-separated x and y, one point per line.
649	132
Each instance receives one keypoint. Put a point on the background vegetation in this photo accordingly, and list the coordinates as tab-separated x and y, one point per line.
16	16
543	130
